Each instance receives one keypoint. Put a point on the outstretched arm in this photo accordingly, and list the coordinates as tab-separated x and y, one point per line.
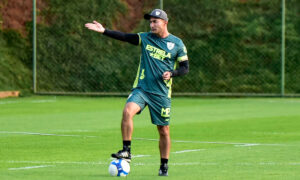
127	37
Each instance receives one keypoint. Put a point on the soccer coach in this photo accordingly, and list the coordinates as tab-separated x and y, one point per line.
160	53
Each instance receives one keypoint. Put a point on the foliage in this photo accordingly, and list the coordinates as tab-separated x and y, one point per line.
72	58
234	47
15	73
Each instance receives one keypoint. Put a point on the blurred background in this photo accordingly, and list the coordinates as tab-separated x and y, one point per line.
235	47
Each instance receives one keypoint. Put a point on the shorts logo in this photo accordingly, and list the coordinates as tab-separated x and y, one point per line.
165	112
170	45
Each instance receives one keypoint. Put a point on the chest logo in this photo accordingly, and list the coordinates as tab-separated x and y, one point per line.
170	45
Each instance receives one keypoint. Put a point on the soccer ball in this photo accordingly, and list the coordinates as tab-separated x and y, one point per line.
119	167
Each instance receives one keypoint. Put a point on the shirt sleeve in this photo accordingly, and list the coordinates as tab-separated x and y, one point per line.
182	53
127	37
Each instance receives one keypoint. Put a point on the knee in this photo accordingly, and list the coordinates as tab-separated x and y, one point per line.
127	112
163	131
130	110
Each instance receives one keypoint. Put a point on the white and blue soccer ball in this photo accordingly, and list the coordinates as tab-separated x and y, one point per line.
119	167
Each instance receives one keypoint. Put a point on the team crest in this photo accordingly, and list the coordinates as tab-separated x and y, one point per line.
170	45
157	13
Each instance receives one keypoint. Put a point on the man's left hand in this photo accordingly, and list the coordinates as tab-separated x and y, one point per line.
166	75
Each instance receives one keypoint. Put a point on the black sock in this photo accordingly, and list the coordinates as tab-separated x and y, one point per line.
163	161
126	145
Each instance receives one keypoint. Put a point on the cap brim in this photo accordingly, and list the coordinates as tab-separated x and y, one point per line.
148	16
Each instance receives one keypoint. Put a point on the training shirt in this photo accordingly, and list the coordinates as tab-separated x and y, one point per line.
158	56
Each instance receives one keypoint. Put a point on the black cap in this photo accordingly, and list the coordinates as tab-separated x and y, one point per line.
157	13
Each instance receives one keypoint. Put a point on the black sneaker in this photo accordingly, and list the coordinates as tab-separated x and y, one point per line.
163	170
122	154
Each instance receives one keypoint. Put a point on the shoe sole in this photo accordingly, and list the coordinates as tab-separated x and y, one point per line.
163	175
126	159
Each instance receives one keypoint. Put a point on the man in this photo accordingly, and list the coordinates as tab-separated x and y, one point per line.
160	52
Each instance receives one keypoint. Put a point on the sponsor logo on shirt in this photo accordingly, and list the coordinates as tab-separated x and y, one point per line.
157	53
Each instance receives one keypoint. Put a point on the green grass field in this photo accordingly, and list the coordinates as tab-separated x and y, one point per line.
47	137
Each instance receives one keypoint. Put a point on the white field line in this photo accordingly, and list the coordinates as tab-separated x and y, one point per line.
277	133
42	101
245	145
75	130
149	164
44	134
176	152
146	139
54	162
139	156
205	142
176	164
30	167
33	101
288	101
189	150
8	102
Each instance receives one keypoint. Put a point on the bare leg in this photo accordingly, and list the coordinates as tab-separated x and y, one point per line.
164	141
129	111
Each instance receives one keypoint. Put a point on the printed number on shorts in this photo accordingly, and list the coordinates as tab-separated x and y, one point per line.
165	112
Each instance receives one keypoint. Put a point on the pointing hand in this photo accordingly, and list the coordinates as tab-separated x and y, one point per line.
95	26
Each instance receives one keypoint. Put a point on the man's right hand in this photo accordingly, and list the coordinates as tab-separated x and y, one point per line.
95	26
